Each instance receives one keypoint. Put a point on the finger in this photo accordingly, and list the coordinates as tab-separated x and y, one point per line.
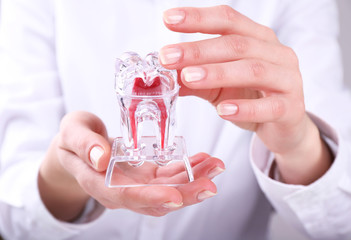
228	48
133	198
261	110
248	73
175	168
215	20
161	196
151	196
208	168
192	193
85	135
197	191
198	158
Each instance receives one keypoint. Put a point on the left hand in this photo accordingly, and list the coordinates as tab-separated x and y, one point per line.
253	80
74	170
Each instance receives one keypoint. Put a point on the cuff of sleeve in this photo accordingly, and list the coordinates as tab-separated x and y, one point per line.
322	209
29	213
93	210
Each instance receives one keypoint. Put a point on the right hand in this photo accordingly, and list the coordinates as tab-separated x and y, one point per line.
69	176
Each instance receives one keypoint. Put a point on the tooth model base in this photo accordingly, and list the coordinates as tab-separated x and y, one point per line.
148	165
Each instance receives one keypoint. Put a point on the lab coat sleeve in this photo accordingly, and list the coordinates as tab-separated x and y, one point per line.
321	210
31	107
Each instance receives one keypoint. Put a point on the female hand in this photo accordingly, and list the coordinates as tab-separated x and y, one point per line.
253	80
74	170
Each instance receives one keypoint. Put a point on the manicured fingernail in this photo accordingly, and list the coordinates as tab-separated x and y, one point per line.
214	172
227	109
193	74
95	155
170	55
205	195
172	205
173	16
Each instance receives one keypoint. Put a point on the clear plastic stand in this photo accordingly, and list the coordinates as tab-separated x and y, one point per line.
147	93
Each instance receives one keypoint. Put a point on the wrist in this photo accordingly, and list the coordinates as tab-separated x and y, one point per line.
307	161
59	190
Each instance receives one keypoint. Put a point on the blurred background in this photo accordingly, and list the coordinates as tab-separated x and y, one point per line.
279	229
345	38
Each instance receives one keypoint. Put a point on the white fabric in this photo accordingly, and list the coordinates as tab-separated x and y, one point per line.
58	56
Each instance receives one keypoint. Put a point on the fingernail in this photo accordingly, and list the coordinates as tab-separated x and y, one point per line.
173	16
172	205
193	74
227	109
205	195
214	172
95	155
170	55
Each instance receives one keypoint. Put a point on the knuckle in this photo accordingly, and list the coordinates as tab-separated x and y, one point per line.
196	15
196	52
291	55
293	82
289	51
82	145
257	69
237	45
59	139
67	122
203	155
64	122
252	111
63	137
69	117
278	108
296	83
288	86
157	212
269	32
228	12
219	73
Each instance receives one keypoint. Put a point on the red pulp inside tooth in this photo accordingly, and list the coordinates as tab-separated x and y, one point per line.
141	89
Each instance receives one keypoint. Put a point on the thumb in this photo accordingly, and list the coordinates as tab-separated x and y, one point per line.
85	135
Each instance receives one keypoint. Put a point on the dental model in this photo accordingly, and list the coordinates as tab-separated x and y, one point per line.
146	93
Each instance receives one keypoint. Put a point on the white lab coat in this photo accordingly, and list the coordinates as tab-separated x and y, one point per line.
58	56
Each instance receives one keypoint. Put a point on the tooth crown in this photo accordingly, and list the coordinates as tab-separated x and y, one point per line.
130	67
146	92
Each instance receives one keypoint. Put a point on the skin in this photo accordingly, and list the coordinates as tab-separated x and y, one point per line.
68	178
249	71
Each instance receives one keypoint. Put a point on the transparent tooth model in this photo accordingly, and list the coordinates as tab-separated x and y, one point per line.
147	95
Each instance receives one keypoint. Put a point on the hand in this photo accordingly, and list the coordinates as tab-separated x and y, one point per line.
74	170
253	80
